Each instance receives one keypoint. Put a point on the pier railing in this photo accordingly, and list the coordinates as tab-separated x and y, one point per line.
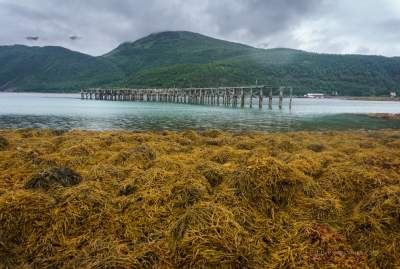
226	96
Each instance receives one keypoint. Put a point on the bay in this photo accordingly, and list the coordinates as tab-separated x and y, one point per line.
68	111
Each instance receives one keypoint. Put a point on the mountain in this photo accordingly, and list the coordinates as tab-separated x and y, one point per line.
52	69
187	59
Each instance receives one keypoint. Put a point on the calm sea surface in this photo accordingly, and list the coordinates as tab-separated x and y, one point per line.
68	111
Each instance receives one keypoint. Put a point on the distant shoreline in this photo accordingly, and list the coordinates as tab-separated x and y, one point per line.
367	98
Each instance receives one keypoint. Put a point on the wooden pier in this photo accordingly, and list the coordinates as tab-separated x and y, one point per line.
218	96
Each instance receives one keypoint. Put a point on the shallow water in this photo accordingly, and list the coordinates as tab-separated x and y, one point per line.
68	111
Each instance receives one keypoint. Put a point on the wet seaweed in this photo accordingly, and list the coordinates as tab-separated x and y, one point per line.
3	143
54	176
209	199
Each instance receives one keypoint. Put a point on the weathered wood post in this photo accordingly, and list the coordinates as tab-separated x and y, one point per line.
280	97
270	99
251	98
242	98
291	96
230	97
82	95
260	99
224	98
199	97
234	98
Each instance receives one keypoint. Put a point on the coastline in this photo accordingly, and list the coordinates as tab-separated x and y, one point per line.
200	199
367	98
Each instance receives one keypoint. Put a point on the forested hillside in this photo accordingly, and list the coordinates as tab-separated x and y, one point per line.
185	59
52	69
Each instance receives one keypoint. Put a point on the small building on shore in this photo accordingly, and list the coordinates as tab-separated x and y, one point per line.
393	94
314	95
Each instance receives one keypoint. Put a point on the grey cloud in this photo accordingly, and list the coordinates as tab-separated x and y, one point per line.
104	24
261	17
32	38
74	37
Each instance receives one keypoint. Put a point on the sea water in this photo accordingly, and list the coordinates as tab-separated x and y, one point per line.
68	111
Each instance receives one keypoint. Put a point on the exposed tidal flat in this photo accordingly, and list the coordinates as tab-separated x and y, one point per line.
386	116
195	199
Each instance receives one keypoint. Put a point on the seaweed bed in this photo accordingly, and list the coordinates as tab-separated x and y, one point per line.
386	116
190	199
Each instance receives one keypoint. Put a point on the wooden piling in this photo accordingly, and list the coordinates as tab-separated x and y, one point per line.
242	98
251	98
270	99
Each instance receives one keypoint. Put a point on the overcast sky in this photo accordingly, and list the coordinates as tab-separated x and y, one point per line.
98	26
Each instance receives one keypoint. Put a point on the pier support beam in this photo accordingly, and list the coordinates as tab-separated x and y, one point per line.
242	98
270	99
251	98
